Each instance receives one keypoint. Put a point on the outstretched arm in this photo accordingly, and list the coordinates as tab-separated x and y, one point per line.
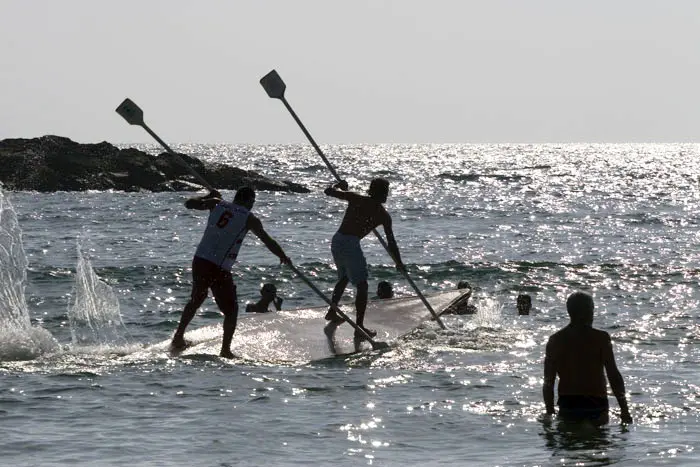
204	202
391	242
616	382
255	226
550	376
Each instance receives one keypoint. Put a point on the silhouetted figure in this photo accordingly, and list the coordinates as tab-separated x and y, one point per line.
363	214
384	290
227	226
268	294
524	304
581	356
461	305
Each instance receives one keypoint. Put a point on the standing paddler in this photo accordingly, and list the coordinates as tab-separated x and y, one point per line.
217	251
363	214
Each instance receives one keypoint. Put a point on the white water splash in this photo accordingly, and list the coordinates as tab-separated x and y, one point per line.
19	340
489	313
93	313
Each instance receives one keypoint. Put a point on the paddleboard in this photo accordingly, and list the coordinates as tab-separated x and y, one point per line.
297	335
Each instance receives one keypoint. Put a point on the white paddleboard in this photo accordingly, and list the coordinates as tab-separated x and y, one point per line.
297	335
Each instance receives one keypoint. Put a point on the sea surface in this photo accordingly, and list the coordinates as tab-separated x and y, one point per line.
93	279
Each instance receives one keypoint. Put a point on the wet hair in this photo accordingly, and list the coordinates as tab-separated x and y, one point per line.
244	195
463	285
384	290
268	288
580	306
379	189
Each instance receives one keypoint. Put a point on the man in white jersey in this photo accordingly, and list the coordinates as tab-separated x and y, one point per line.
217	251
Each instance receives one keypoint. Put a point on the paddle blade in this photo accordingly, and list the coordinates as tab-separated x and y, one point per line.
131	112
273	84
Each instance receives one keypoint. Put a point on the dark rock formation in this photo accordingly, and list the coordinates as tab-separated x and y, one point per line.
54	163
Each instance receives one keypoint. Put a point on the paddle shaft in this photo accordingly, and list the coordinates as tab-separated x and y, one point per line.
182	161
335	307
310	138
377	234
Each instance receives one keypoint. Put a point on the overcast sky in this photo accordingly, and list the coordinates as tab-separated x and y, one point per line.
357	71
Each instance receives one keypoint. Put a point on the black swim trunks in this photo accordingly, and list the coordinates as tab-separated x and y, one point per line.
574	407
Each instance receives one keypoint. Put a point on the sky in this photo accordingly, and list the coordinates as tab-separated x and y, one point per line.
357	71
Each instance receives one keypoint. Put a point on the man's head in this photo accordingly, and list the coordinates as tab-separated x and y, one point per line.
580	307
384	290
524	303
245	196
379	189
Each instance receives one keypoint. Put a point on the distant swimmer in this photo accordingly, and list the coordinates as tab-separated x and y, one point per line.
384	290
268	294
227	226
363	214
581	356
461	305
524	304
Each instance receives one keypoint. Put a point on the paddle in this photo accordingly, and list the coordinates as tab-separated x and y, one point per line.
375	344
133	114
275	87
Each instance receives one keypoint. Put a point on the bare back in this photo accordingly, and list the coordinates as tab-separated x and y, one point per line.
579	356
362	215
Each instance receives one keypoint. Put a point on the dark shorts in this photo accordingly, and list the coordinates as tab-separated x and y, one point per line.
572	407
207	275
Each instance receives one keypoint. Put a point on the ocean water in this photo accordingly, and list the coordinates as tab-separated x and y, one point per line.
92	279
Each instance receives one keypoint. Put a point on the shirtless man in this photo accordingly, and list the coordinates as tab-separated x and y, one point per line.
217	251
363	214
581	356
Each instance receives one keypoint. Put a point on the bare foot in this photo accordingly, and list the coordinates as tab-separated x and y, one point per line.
226	354
357	341
179	343
329	331
333	317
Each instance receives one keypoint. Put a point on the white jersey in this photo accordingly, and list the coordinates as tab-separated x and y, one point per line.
222	239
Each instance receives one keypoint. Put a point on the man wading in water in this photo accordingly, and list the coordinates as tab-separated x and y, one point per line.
363	214
581	356
217	251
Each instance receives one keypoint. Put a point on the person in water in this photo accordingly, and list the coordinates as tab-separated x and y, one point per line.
384	290
461	305
581	356
363	214
227	226
524	304
268	294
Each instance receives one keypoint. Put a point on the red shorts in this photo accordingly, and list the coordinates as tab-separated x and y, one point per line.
207	275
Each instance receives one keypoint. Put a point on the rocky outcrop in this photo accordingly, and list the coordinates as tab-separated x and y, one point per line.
54	163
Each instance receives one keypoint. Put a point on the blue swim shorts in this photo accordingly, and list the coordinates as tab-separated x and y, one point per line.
348	258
